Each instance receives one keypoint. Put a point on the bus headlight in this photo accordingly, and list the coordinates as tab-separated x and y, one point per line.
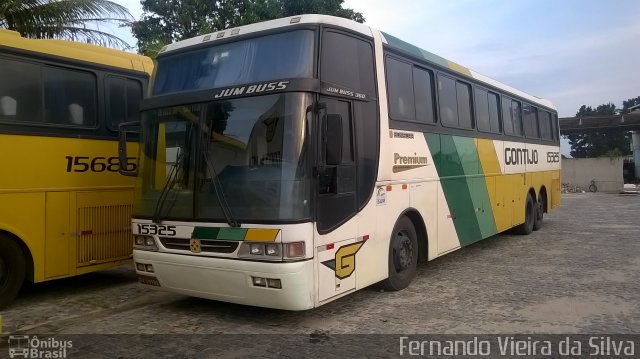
257	249
145	243
272	251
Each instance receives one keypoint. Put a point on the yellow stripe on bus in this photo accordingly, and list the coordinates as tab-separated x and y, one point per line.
261	235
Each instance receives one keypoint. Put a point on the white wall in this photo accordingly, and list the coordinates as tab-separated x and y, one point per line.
606	171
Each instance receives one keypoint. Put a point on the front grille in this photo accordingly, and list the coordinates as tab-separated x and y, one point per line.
209	246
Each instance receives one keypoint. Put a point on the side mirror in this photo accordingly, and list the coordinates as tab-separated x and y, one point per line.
333	139
123	128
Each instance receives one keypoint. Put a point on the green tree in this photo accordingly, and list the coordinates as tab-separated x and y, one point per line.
164	22
630	103
77	20
597	143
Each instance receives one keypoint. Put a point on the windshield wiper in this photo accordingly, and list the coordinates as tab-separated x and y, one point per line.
176	173
171	180
217	187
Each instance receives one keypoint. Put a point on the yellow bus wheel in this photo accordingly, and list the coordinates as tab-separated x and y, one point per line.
403	255
529	216
12	270
537	224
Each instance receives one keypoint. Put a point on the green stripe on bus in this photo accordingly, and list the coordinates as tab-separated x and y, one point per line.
458	166
470	160
205	233
414	50
232	234
227	234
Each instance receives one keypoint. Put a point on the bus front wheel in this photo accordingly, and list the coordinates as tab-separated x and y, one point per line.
12	270
403	255
529	216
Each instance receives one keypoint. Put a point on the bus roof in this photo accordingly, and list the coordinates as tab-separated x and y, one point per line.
387	39
78	51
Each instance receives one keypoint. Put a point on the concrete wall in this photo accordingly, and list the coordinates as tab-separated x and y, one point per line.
606	171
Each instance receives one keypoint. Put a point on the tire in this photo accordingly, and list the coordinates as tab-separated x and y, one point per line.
403	256
539	208
12	270
529	217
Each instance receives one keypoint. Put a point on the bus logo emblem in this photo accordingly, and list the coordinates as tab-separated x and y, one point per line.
344	263
195	246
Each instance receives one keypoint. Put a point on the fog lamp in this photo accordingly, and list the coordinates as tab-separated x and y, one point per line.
259	282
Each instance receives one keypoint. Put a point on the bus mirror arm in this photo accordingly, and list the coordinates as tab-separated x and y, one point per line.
122	148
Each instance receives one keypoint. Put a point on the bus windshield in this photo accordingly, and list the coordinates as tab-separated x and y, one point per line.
243	158
266	58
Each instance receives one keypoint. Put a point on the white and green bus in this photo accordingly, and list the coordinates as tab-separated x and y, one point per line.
288	163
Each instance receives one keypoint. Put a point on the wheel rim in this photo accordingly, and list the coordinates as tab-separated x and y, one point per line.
402	252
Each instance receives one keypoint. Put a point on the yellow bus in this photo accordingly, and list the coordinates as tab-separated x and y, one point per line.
289	163
64	208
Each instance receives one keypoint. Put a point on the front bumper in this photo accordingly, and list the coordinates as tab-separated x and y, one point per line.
229	280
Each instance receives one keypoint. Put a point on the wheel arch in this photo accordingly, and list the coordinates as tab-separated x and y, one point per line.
421	231
28	257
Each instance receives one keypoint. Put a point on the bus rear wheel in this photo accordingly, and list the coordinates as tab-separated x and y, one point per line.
537	224
403	256
12	270
529	216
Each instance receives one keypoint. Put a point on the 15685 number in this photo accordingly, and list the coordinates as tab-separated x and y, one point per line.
98	164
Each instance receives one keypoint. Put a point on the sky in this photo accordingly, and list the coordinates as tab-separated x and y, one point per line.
572	52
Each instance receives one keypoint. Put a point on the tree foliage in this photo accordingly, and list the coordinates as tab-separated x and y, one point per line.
630	103
607	142
77	20
164	22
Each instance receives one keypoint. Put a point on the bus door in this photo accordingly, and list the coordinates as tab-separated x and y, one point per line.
335	240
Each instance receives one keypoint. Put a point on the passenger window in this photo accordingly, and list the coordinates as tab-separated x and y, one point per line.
123	101
512	116
69	97
482	109
494	118
464	105
400	90
531	121
20	92
448	101
423	90
544	118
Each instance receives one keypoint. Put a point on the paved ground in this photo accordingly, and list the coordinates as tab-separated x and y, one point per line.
579	274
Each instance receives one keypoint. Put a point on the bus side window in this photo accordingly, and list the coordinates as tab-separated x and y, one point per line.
123	100
20	91
531	128
69	97
448	101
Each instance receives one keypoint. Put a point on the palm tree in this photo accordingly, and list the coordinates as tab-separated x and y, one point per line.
77	20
